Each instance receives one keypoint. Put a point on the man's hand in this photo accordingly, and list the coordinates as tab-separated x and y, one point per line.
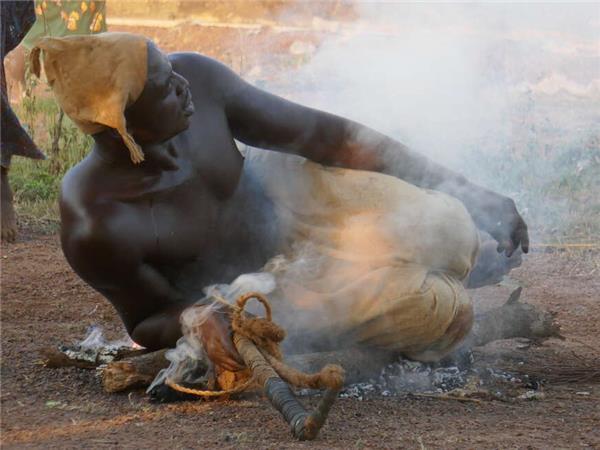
498	216
217	339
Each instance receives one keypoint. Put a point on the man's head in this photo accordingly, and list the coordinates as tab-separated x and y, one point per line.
165	105
97	78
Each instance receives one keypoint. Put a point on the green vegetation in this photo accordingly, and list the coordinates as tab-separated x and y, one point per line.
557	189
36	184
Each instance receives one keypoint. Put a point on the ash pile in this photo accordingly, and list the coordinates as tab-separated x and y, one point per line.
461	380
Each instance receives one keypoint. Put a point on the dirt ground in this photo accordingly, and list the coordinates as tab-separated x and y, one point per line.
44	303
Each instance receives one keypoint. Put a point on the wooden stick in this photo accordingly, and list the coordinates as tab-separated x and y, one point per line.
138	371
511	320
304	425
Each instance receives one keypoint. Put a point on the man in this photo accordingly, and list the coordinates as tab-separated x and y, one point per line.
165	204
16	18
20	25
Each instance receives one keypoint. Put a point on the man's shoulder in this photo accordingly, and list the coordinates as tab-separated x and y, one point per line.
199	67
87	210
192	58
78	191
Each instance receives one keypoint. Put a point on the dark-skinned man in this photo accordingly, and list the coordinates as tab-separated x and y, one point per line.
165	204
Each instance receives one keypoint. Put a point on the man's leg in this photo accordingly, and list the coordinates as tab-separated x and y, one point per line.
7	210
425	324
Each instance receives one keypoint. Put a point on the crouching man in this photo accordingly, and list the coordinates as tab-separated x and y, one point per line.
165	204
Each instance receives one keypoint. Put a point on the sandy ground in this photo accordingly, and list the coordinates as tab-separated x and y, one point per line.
44	303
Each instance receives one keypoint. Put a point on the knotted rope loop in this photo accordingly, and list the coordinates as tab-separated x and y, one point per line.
241	303
263	332
257	341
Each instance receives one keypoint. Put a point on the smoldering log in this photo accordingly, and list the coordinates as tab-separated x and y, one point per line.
54	358
84	358
304	425
134	372
126	368
511	320
358	364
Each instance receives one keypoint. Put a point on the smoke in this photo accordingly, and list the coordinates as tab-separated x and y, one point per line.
188	361
497	92
506	94
96	340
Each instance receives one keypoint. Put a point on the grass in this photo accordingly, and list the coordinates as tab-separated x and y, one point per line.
558	191
36	184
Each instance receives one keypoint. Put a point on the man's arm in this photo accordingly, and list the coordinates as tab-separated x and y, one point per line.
264	120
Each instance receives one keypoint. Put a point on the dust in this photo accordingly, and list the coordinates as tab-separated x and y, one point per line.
505	94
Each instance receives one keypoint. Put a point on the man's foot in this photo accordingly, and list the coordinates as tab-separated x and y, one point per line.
7	210
491	266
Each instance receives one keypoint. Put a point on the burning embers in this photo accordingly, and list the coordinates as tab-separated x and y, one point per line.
466	381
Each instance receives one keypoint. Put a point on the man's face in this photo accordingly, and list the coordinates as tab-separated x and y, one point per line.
164	108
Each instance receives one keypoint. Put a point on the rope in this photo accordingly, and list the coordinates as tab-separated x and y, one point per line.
205	393
257	341
266	336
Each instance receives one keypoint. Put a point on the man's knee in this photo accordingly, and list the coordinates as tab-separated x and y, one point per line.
158	331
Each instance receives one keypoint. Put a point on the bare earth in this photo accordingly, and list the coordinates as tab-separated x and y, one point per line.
44	303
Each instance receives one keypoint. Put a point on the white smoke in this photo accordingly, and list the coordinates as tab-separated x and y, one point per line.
188	361
96	340
442	76
498	92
